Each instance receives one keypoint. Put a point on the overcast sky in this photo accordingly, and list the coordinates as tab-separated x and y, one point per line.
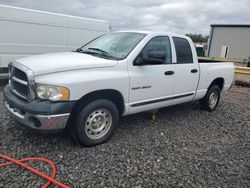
179	16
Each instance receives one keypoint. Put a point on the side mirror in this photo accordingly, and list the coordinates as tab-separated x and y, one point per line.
154	58
157	55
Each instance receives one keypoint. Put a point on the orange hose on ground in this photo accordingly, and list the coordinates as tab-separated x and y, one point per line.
35	171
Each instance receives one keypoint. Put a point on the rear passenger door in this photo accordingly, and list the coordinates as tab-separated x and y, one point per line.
186	71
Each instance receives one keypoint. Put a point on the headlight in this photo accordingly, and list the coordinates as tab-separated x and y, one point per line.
53	93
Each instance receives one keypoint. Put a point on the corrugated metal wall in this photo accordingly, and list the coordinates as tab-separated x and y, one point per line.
237	38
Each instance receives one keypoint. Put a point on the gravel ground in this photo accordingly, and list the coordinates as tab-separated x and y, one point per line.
242	80
183	147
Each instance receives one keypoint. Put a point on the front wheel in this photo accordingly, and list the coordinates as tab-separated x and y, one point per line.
95	122
211	99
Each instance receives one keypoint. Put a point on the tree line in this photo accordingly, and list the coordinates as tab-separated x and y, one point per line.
198	37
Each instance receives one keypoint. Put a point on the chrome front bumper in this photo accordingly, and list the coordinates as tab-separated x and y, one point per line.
43	123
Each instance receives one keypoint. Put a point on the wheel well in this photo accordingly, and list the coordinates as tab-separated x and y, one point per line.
110	94
219	82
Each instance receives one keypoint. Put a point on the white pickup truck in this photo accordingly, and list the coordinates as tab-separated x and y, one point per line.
119	73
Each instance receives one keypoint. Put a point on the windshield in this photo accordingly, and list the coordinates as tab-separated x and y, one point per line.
113	45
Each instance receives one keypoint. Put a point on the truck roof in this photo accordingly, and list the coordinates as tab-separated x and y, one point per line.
148	32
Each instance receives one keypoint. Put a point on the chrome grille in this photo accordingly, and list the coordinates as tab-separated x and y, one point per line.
20	88
20	74
21	81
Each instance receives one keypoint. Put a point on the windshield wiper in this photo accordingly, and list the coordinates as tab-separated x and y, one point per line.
97	49
103	53
78	50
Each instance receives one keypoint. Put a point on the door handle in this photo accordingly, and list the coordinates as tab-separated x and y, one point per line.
194	70
169	72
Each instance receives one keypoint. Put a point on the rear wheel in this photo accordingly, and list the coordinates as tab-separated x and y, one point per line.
95	122
211	99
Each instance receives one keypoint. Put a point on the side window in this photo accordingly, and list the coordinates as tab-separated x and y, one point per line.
183	50
156	49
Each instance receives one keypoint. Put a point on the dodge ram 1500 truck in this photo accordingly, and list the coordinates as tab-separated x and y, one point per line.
120	73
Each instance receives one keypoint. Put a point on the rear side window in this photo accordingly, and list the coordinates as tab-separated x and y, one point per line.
183	50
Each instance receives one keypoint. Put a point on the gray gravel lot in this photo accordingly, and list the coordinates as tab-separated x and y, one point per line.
184	147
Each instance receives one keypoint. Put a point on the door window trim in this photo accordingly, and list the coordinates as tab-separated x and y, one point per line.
176	51
171	51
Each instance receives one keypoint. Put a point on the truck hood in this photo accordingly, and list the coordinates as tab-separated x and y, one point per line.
65	61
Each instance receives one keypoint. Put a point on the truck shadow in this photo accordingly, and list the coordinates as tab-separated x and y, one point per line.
164	114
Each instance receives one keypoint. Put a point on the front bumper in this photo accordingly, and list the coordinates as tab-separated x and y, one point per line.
42	116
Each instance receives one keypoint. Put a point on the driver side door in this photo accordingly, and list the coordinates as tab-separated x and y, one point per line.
151	80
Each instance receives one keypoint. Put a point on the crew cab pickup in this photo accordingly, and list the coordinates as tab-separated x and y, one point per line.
117	74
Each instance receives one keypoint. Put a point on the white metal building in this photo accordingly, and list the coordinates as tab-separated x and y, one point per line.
229	41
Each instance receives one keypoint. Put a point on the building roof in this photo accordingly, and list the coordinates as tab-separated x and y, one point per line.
230	25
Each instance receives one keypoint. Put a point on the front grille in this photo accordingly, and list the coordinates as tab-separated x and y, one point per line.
20	88
20	74
21	81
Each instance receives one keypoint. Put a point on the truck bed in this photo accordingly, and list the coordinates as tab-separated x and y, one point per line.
215	69
201	60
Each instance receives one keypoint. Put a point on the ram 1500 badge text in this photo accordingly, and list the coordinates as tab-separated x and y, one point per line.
119	73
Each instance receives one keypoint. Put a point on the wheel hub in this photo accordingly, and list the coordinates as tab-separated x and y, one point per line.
98	123
213	99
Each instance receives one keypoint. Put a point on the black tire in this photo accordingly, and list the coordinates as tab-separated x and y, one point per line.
205	103
79	128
